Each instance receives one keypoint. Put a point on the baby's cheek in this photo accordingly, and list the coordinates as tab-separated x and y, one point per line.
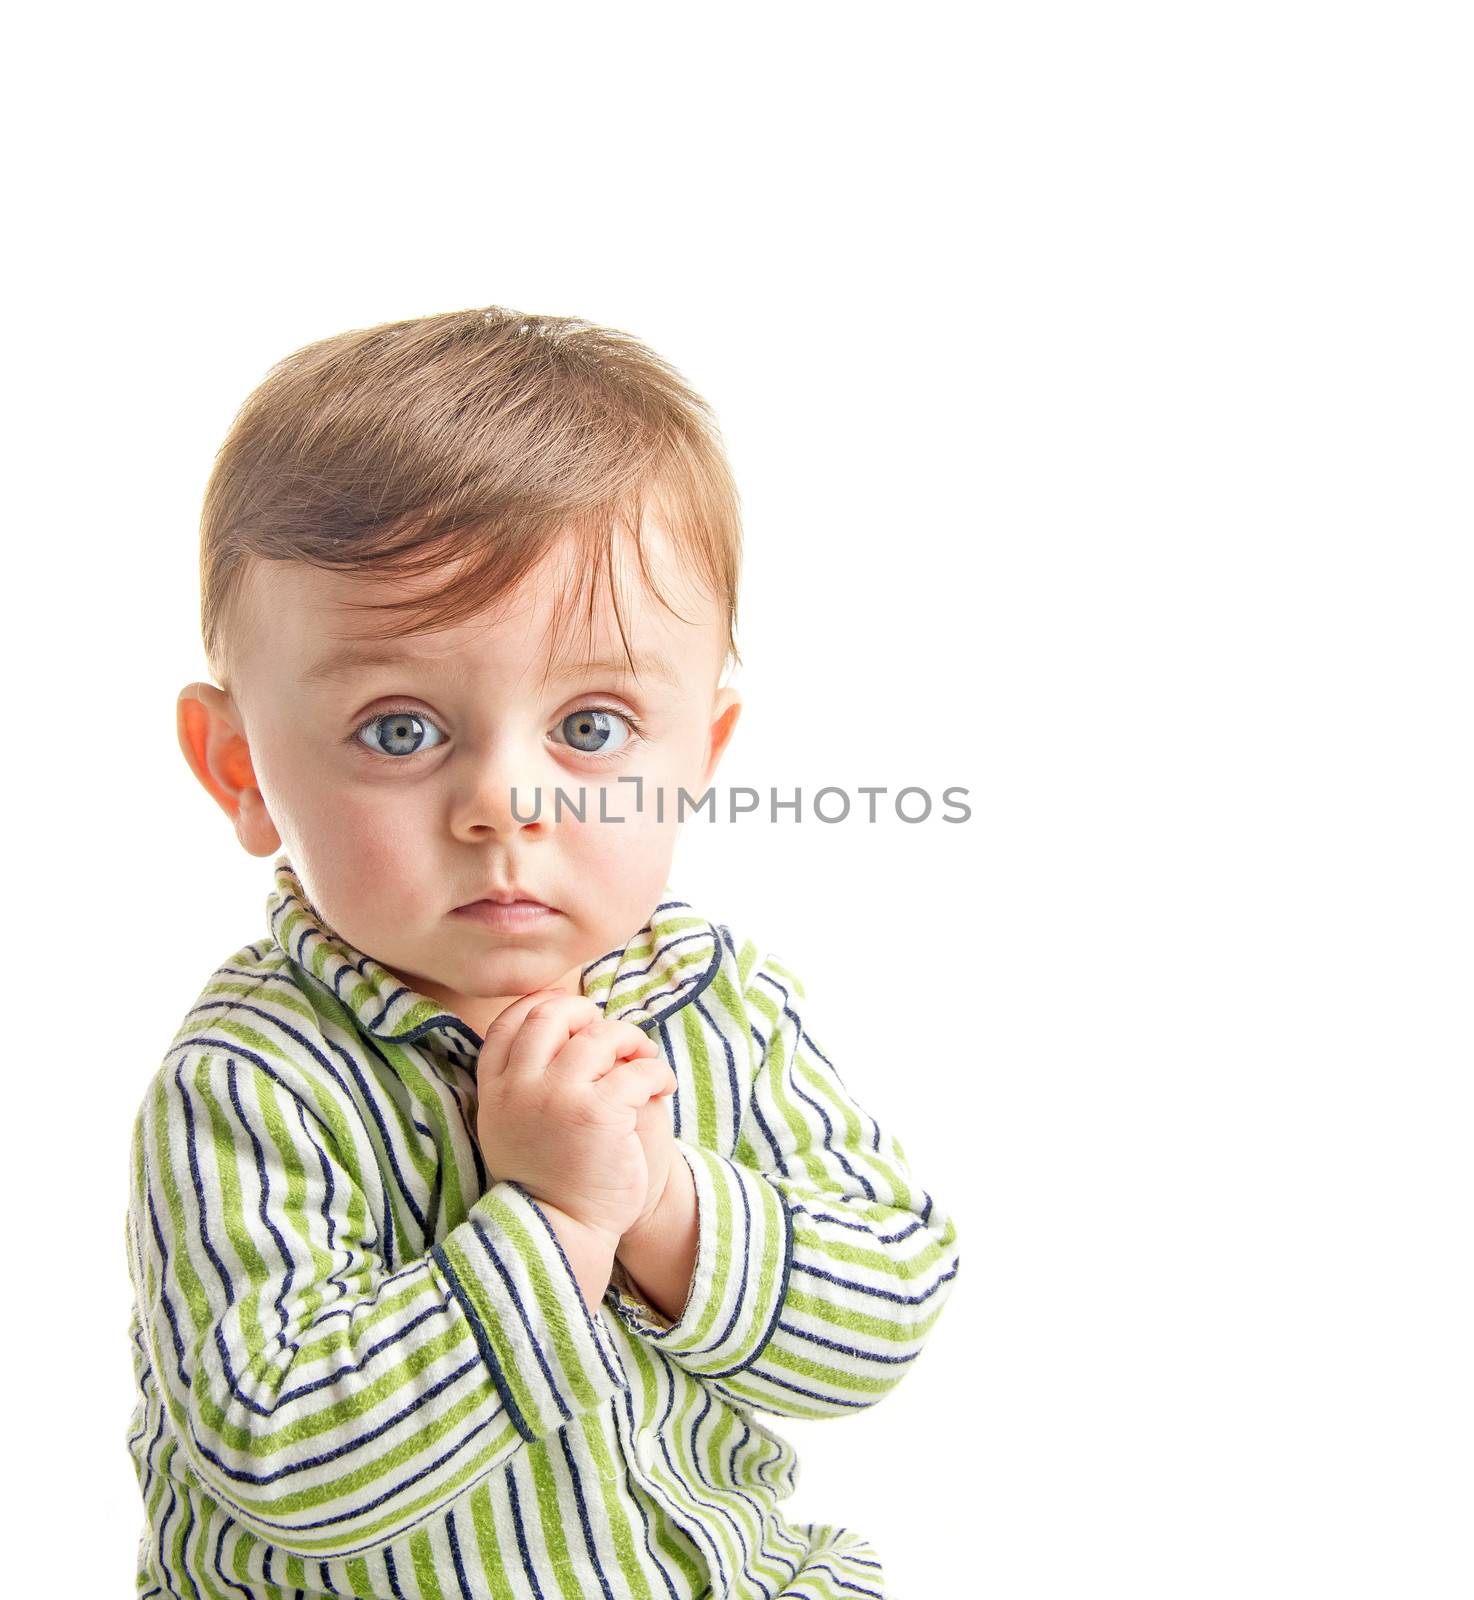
624	854
365	872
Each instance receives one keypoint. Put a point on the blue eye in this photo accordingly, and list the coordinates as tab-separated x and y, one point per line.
403	733
595	730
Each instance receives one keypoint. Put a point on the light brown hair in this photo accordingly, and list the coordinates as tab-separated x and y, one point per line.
474	437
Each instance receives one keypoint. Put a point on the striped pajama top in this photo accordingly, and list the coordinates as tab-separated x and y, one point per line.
365	1367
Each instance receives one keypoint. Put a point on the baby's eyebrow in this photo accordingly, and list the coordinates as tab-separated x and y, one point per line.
650	665
356	656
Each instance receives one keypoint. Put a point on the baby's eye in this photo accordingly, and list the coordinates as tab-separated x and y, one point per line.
403	733
596	730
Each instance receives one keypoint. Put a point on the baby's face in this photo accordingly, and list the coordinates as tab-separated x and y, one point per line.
390	785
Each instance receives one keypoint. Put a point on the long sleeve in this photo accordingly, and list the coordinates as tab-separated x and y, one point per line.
821	1266
327	1403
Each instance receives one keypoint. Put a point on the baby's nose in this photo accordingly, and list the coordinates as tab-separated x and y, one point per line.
510	790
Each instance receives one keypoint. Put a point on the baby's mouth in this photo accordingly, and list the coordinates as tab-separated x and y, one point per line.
507	915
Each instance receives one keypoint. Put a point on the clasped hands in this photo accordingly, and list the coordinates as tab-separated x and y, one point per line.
571	1105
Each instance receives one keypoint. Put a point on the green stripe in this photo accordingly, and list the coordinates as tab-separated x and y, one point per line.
189	1282
285	996
770	1400
647	1385
549	1297
676	1437
487	1543
774	1063
202	1546
329	1108
348	1336
784	1355
671	977
611	1486
853	1321
307	1300
231	1206
490	1319
741	1504
723	1261
767	1241
424	1560
495	1452
357	1533
161	1478
550	1517
727	997
764	1562
667	1532
694	1032
822	1085
405	1063
183	1523
746	962
345	1413
790	981
243	1548
331	1010
902	1269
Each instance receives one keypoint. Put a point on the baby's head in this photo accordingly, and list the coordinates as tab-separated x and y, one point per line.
449	566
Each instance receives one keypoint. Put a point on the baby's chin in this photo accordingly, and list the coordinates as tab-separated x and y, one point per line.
504	973
465	960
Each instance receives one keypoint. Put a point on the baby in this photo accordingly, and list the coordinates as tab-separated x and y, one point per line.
478	1207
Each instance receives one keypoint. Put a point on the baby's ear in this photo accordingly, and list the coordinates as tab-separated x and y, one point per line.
208	727
726	708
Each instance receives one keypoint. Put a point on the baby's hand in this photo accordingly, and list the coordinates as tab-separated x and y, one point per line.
560	1088
656	1130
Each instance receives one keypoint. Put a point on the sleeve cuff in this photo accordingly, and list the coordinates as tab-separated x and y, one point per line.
550	1359
744	1252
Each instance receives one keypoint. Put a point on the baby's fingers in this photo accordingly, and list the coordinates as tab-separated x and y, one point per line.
631	1042
496	1045
635	1083
546	1028
600	1045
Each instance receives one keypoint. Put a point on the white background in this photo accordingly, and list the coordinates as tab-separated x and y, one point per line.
1097	379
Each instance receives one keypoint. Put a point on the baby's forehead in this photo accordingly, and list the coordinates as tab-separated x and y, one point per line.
327	626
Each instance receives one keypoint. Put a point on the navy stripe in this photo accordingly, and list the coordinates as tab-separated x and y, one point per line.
386	1343
570	1461
510	1283
528	1570
939	1282
326	1458
847	1349
483	1344
227	1287
455	1556
768	1332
